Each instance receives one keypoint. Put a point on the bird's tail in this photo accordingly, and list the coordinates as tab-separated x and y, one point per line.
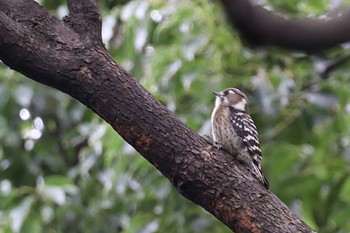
259	175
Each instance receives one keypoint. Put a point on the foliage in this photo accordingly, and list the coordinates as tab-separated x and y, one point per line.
64	170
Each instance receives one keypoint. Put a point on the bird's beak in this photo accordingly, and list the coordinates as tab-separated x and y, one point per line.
216	93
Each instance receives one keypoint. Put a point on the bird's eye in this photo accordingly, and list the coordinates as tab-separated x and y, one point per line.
226	92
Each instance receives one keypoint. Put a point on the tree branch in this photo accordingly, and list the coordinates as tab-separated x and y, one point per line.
62	56
261	27
85	19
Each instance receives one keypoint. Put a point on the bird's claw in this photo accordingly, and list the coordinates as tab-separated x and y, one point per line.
217	145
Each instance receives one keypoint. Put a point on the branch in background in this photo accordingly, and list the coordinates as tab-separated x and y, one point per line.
262	28
325	68
61	55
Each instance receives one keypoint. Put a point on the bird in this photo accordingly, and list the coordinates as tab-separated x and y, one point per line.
234	130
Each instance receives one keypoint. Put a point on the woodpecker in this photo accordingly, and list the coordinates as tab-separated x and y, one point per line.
234	130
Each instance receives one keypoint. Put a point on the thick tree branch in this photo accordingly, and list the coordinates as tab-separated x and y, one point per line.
62	56
261	27
85	19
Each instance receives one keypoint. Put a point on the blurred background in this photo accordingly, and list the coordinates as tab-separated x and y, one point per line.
62	169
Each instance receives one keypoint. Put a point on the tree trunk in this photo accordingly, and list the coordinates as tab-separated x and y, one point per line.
69	55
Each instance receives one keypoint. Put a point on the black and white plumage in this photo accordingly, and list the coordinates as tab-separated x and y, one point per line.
234	130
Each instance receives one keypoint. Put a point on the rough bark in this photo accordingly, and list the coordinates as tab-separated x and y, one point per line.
261	27
69	56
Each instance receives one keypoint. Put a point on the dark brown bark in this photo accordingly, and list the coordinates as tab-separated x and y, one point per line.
261	27
64	56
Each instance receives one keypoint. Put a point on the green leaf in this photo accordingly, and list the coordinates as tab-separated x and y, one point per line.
19	214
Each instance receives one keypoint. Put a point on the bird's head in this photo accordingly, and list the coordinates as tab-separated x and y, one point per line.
231	97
